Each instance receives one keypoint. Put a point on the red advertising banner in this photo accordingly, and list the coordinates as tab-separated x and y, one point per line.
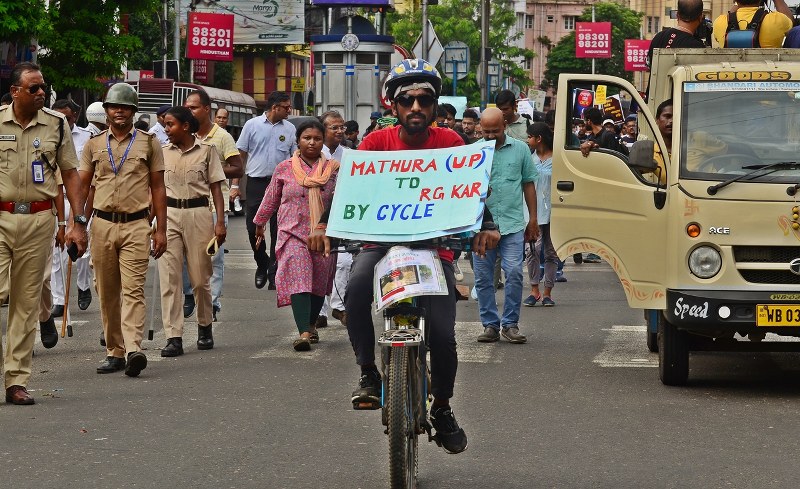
593	39
201	71
210	36
636	54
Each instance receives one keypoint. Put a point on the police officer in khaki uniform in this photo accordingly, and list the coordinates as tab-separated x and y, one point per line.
193	172
34	145
128	170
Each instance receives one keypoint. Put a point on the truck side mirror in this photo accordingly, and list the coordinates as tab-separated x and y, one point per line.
641	155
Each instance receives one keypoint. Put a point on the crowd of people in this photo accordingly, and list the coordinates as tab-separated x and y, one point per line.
112	196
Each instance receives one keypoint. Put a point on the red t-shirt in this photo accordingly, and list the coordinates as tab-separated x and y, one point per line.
389	140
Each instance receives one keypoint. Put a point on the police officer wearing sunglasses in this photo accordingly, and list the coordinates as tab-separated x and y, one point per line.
35	144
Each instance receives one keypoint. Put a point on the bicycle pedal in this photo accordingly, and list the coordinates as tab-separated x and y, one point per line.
366	405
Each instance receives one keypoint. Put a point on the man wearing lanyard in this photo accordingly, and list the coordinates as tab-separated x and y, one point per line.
266	140
127	166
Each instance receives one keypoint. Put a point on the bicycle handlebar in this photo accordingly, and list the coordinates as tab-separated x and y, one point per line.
340	245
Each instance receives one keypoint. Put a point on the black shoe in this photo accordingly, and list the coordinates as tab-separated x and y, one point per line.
57	311
48	333
448	434
111	365
205	339
102	339
174	347
137	362
188	305
261	277
84	299
214	310
368	394
271	285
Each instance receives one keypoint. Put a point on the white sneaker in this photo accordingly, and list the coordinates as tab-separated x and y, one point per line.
458	273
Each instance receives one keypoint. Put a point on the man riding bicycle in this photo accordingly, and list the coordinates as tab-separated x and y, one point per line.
413	86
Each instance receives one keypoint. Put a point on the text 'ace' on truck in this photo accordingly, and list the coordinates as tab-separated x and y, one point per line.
703	233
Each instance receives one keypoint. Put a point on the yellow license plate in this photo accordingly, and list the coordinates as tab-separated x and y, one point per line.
778	315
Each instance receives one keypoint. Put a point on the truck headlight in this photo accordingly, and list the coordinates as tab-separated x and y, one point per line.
705	261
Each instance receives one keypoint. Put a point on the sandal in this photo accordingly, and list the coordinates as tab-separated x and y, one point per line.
313	337
301	344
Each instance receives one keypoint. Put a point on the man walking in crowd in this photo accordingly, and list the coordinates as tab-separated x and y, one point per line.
469	120
513	177
96	116
373	124
158	128
37	145
516	125
199	103
80	137
332	148
127	167
266	140
221	118
351	134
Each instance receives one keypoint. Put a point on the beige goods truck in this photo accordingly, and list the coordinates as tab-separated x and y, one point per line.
707	243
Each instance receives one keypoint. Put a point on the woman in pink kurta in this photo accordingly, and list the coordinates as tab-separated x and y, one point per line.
300	188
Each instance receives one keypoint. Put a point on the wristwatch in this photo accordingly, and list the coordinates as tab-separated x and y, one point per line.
80	219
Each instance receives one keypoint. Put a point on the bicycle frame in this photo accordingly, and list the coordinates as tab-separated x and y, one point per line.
404	328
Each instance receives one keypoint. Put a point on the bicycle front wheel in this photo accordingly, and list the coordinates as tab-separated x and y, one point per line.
400	417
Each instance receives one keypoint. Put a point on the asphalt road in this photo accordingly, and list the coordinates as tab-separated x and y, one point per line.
579	406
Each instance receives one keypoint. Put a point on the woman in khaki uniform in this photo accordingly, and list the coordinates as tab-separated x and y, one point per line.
193	171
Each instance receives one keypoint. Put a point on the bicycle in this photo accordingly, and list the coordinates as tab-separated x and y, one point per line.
405	374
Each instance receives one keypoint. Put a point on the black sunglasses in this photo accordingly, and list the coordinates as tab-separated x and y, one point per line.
33	89
407	101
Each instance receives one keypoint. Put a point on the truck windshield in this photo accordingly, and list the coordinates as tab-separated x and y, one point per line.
729	127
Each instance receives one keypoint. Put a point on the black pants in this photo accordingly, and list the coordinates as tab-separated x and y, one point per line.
441	321
256	188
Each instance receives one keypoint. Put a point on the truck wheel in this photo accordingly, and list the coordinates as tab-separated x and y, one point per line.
673	354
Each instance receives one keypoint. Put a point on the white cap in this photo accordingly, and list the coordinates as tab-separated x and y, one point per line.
608	121
96	113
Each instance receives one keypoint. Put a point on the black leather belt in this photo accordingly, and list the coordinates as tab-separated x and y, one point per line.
121	216
187	203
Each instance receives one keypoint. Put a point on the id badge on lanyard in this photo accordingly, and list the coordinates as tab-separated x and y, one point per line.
37	170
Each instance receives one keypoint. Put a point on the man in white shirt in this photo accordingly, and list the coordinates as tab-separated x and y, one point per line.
80	137
158	129
333	148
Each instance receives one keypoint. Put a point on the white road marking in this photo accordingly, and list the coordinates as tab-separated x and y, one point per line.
626	346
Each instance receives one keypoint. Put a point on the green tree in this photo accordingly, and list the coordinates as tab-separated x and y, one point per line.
625	24
146	26
21	20
459	20
85	41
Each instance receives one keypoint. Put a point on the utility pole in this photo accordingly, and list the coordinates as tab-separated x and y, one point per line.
485	54
164	40
593	21
425	30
